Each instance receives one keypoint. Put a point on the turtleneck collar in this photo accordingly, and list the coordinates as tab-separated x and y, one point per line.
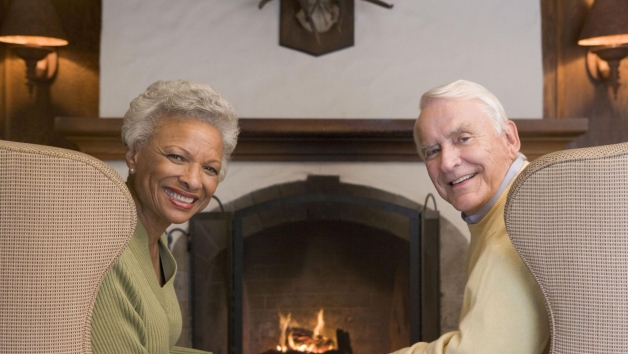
513	171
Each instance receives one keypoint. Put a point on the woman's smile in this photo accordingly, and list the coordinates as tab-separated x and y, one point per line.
180	198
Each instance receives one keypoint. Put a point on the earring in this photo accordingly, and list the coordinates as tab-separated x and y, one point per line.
131	170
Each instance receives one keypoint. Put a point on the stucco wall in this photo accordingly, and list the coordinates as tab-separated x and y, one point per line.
398	54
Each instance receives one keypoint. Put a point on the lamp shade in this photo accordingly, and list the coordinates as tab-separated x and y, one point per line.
606	24
32	22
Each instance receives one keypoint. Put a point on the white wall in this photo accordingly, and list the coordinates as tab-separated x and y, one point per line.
398	54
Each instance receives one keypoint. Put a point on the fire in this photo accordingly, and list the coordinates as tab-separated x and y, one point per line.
303	340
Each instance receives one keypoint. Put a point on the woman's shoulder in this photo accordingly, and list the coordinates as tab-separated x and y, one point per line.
123	278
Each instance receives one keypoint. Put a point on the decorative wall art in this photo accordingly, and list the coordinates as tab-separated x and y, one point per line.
317	27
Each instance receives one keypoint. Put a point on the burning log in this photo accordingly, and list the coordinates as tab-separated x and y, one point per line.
307	341
300	340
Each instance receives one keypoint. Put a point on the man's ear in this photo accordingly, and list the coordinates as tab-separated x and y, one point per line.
513	143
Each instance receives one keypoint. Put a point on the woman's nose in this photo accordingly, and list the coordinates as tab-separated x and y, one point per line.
191	177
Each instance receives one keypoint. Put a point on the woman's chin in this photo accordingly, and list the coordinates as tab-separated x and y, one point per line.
180	217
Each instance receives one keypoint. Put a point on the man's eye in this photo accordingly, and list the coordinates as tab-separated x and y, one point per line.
431	152
465	138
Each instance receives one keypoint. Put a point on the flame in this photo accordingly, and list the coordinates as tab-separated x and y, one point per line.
300	339
321	323
291	341
284	322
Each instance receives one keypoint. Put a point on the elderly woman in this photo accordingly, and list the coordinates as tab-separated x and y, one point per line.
179	136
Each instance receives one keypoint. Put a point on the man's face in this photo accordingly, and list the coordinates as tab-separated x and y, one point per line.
465	157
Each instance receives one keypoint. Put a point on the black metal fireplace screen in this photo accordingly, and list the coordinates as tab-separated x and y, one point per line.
423	235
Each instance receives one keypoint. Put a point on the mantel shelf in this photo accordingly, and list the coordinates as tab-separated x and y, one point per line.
263	139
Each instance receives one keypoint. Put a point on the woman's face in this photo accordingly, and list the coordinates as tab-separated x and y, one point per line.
176	172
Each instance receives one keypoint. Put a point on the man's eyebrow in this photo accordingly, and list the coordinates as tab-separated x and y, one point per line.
459	130
426	147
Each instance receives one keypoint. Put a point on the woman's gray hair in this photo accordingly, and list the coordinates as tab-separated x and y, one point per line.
463	90
180	99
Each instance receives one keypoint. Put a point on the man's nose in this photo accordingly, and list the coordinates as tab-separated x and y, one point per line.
450	158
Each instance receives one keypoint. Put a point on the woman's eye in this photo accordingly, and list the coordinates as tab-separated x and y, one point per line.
175	157
212	171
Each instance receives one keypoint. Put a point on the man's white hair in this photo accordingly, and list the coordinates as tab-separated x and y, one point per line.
463	90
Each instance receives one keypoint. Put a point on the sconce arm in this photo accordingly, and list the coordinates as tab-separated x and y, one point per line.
31	55
612	55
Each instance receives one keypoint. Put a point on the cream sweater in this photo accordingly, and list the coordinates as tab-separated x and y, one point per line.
503	310
132	313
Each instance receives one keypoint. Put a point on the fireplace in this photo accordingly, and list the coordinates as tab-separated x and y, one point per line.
264	275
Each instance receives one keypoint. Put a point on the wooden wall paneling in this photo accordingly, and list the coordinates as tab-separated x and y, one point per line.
575	87
551	53
77	87
568	90
3	120
73	90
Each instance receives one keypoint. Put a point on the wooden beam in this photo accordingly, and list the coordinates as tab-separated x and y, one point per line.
320	139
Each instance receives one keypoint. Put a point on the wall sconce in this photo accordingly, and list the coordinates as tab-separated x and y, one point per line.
35	29
606	32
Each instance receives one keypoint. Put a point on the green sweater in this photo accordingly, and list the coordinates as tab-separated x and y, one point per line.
132	313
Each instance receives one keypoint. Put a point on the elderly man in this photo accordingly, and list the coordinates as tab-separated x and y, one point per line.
471	152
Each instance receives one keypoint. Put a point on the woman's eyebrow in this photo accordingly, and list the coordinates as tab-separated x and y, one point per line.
188	153
177	147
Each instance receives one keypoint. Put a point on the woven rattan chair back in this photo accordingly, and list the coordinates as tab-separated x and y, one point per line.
567	216
65	218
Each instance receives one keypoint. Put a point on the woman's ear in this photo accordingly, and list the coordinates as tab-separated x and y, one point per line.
512	139
130	157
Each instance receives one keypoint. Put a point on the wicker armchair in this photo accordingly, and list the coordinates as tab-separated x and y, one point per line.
65	218
567	216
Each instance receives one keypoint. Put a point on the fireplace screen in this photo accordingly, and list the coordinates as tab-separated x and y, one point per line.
320	271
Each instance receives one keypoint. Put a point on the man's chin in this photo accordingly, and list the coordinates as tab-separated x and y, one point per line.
466	207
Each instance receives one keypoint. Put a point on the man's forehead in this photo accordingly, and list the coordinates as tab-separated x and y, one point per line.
445	126
451	114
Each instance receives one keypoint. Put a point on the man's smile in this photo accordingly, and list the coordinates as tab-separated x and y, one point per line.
462	179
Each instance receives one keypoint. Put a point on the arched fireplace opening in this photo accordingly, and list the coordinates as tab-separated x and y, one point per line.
311	246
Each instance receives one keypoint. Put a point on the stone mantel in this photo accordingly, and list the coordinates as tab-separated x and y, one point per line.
320	139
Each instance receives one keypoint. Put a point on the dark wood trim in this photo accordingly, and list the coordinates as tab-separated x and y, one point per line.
321	139
550	40
4	121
